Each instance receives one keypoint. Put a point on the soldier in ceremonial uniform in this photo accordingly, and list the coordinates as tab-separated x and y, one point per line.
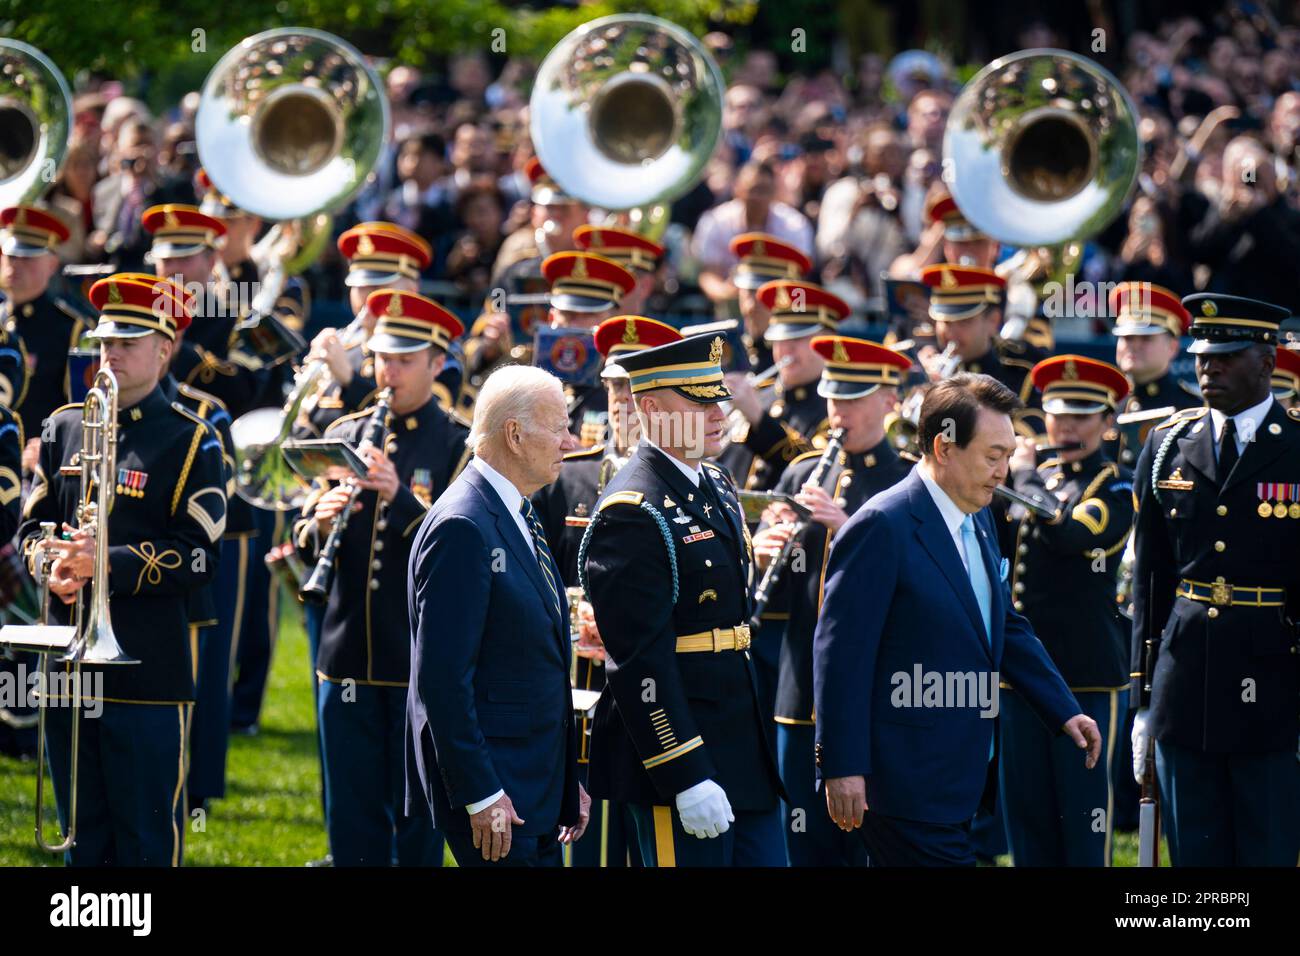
168	514
860	384
762	258
565	508
667	563
1149	321
17	730
380	255
1215	667
11	470
788	419
634	252
517	272
1063	578
37	321
586	289
1286	377
365	652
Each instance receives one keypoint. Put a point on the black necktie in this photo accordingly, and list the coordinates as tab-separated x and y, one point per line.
1227	449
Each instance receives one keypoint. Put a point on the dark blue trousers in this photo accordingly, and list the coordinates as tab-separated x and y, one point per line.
1128	796
130	776
754	839
363	727
1058	812
256	633
893	841
766	656
610	838
210	723
313	617
524	850
1229	809
811	837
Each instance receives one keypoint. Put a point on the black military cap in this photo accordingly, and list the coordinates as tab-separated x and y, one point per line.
692	367
1230	323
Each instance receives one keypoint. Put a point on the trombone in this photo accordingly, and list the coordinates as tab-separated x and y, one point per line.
91	639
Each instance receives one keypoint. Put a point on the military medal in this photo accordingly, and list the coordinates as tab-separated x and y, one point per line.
1264	509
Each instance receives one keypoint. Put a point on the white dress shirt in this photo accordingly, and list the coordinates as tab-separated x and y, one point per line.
692	474
711	246
948	510
512	498
1246	423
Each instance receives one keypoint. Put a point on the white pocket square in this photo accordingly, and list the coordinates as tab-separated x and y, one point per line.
1006	567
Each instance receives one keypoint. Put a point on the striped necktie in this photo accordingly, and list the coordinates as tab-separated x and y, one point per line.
544	559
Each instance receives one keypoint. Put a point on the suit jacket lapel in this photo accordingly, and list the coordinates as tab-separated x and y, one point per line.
1197	448
1262	450
685	495
934	537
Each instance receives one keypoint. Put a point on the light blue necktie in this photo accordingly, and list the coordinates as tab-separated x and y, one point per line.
979	576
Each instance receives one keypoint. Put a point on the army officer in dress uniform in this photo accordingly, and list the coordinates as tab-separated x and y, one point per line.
365	652
1216	597
860	384
168	513
1063	578
667	564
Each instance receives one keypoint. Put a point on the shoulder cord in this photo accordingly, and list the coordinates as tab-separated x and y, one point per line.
663	530
1161	452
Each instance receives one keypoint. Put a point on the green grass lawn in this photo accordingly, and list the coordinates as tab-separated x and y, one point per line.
271	814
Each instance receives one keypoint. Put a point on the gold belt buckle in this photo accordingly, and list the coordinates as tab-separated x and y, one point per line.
1220	593
742	637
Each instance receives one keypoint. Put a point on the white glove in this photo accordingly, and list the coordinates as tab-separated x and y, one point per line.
705	810
1141	738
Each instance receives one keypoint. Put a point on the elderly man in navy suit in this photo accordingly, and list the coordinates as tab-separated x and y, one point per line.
490	745
917	630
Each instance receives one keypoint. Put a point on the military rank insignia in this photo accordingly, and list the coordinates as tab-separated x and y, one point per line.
422	485
131	483
1273	497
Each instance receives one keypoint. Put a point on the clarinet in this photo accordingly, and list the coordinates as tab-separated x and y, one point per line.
819	477
318	585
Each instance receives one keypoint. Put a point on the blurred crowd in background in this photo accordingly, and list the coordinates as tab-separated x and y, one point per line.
838	163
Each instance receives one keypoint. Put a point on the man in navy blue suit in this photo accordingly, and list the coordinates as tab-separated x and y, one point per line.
917	628
490	745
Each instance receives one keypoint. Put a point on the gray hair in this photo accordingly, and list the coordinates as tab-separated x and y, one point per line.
512	391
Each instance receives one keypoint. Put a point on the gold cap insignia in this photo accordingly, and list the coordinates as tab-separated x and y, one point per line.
597	239
394	306
365	246
170	220
947	279
1209	308
114	296
715	350
21	218
579	267
782	298
840	353
1071	372
630	336
760	247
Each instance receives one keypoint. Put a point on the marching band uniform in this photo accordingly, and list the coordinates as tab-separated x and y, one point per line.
762	258
11	470
565	507
1216	594
168	515
855	368
17	735
1063	580
1286	377
667	563
635	253
44	329
365	653
592	285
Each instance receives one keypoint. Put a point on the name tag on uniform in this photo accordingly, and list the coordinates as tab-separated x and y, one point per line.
701	536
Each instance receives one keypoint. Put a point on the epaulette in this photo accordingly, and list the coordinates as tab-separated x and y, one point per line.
591	452
1013	345
622	498
1016	362
189	391
364	413
815	453
1182	415
196	419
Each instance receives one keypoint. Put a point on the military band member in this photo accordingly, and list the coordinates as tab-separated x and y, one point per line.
667	564
1216	595
555	217
565	508
1063	579
365	652
1286	377
39	322
634	252
1149	322
585	290
17	724
11	472
790	418
860	384
380	255
169	510
762	258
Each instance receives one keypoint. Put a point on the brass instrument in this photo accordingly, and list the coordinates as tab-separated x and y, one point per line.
1044	151
901	427
35	122
626	111
736	421
823	473
91	639
290	125
317	588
